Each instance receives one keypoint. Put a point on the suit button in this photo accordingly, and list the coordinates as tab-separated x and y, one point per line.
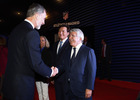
68	80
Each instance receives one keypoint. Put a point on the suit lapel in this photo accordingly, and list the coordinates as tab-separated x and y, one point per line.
63	47
78	54
69	54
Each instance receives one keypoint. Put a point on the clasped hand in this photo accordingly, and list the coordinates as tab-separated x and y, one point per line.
54	71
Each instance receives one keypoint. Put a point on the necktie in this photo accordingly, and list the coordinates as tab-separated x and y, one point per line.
60	46
73	56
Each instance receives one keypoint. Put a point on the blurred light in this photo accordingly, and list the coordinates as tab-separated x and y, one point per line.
59	1
18	13
46	16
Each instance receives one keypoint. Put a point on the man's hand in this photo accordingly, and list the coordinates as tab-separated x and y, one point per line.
88	93
54	71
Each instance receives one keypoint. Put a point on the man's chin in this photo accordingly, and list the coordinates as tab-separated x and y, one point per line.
72	44
38	28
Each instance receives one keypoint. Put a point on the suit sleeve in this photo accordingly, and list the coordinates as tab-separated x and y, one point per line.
91	67
32	43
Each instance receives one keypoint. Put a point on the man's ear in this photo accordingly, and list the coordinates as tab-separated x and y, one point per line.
36	15
81	39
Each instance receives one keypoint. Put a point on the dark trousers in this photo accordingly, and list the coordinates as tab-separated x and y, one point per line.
59	90
105	69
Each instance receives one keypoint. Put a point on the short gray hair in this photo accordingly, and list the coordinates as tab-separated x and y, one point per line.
35	8
79	33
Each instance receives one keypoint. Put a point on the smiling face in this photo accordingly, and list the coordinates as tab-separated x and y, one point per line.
62	33
74	39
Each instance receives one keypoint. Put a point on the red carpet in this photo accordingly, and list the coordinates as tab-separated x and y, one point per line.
105	90
115	90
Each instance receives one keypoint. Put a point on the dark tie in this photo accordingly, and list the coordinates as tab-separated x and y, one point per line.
73	56
60	46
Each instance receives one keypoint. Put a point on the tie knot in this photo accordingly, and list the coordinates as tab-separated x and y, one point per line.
61	42
74	50
73	55
60	45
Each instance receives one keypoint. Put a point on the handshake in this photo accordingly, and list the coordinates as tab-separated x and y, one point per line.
54	71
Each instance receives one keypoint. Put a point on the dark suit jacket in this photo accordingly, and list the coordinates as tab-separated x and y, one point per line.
59	78
46	56
108	53
58	58
82	72
24	59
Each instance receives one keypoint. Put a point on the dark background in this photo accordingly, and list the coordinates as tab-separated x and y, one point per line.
118	21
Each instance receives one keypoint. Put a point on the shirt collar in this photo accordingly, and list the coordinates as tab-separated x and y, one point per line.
64	40
78	46
29	22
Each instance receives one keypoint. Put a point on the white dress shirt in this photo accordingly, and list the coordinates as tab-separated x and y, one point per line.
77	49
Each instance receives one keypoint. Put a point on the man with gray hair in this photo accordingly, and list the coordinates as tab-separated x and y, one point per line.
24	57
80	68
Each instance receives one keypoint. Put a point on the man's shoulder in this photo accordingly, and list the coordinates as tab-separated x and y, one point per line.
87	47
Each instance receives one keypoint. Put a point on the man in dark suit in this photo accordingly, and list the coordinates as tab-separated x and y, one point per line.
58	53
24	57
105	60
80	68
